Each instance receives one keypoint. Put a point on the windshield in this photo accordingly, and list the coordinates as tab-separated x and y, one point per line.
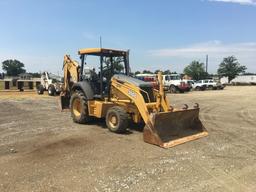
172	77
118	66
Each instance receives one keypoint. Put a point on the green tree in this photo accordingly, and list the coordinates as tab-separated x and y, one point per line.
248	73
156	71
36	74
147	71
230	67
137	72
166	72
195	70
13	67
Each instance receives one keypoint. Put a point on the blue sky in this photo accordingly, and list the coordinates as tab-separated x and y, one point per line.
164	34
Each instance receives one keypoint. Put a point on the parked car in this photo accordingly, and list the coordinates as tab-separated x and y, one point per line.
198	85
207	84
211	84
174	83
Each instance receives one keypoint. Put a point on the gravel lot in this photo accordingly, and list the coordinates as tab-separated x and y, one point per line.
41	149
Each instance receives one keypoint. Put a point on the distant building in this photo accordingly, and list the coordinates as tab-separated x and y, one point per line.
25	76
241	79
25	81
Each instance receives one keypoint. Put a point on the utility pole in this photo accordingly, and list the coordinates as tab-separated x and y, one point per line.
100	42
206	64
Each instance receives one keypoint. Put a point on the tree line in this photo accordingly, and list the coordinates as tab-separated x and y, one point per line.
229	67
166	72
13	67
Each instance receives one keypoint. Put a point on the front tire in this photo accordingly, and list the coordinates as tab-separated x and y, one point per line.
172	89
51	90
79	108
211	87
198	88
40	90
117	119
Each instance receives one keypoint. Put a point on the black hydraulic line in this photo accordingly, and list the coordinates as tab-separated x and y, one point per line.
82	68
101	75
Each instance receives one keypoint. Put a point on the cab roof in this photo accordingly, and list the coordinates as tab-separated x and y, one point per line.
102	51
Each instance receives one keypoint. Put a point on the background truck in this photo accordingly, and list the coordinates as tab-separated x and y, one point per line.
173	83
209	84
152	78
50	83
198	85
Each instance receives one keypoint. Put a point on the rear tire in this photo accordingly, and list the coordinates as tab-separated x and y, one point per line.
211	87
79	108
172	89
40	90
117	119
198	88
51	90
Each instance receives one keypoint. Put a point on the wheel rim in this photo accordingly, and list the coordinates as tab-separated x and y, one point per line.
77	107
113	121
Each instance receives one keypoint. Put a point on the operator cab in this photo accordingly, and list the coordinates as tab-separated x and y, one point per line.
111	62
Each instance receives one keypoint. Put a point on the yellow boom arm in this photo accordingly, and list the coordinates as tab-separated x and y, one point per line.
71	73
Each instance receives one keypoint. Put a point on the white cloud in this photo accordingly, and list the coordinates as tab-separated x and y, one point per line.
245	52
211	47
243	2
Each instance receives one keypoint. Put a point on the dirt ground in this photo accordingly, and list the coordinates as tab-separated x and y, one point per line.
41	149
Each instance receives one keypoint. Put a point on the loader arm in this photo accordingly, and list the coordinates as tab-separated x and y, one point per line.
161	97
71	73
164	126
133	93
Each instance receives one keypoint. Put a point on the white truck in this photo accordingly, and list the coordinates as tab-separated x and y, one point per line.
50	83
174	83
207	84
244	79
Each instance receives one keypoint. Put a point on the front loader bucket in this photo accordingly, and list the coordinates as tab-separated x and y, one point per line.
64	103
173	128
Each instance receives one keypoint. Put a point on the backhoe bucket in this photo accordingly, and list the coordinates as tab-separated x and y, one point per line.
64	103
173	128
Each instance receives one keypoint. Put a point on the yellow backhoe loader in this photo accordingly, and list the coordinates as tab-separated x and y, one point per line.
119	98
